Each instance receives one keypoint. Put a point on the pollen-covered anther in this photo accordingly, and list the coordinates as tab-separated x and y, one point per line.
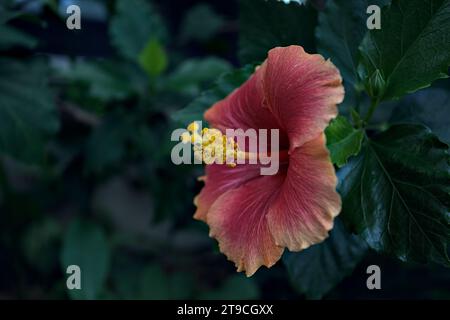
211	146
193	127
185	137
196	139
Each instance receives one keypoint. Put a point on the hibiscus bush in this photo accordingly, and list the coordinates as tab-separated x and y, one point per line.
86	176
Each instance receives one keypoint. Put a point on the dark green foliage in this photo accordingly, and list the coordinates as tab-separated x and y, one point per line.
86	176
268	24
412	48
135	23
86	245
318	269
224	85
343	141
341	28
396	194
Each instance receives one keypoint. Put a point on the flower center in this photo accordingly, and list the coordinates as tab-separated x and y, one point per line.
211	146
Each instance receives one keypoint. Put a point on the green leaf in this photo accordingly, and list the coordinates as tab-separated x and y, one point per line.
343	141
86	245
412	48
430	107
342	26
268	24
134	24
109	80
189	77
11	37
27	111
318	269
201	23
153	58
397	194
356	117
224	86
6	14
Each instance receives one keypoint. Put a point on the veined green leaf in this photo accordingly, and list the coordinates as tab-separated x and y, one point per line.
342	26
343	141
412	49
397	194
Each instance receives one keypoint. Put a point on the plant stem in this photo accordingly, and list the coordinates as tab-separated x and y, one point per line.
357	101
374	104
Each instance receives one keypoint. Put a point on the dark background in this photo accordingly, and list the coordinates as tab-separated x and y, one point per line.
106	194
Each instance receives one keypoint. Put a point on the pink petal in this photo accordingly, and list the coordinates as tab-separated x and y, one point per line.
244	108
237	219
292	90
302	91
303	212
219	179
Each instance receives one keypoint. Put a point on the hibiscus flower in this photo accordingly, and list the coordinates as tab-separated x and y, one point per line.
252	216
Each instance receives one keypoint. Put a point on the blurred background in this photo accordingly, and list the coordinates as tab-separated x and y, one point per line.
85	170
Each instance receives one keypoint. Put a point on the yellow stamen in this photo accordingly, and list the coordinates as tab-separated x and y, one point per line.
211	146
193	127
196	138
185	137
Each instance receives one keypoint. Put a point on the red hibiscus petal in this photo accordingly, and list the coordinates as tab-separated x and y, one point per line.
303	212
293	91
237	219
244	109
302	91
219	179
